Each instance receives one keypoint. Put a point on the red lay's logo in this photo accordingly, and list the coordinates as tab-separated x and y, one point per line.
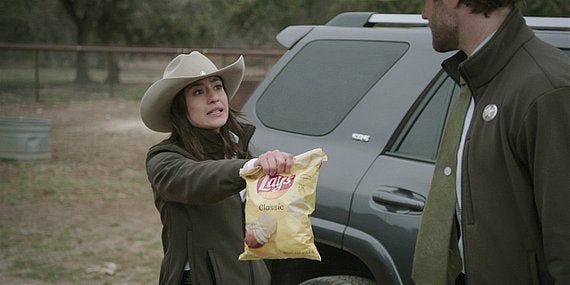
271	187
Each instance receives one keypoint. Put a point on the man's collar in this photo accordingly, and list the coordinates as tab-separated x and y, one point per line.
484	65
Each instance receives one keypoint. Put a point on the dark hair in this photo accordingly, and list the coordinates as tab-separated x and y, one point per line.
488	6
186	135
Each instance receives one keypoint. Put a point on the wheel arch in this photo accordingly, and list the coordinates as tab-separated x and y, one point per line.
373	254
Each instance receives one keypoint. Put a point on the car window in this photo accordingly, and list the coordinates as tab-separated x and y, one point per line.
323	82
422	133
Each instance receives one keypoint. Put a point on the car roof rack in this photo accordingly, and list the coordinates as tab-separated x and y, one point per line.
413	20
370	19
548	23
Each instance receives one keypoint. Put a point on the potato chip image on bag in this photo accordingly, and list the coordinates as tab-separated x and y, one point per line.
277	210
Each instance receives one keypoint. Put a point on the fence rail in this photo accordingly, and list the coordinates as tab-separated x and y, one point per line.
222	53
275	53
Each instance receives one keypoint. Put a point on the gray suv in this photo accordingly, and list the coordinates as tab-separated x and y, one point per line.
367	88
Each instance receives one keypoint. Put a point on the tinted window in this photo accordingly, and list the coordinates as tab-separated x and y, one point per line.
422	133
323	82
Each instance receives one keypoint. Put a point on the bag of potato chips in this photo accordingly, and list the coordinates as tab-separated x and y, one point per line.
277	210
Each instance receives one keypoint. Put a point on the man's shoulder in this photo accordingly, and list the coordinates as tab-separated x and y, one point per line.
550	61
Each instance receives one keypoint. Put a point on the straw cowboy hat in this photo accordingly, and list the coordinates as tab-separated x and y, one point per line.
181	71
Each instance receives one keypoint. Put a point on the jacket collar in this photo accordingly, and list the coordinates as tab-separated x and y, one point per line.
484	65
213	143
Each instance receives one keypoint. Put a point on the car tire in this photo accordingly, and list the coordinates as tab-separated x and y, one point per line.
338	280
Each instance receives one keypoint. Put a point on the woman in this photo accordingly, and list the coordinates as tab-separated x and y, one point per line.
194	173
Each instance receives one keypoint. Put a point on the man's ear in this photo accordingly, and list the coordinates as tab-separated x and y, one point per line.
451	4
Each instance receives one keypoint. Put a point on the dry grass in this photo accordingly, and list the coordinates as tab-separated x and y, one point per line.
90	205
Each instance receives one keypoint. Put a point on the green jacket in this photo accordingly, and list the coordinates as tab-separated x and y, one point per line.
202	214
516	166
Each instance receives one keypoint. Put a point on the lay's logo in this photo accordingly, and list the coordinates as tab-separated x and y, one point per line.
271	187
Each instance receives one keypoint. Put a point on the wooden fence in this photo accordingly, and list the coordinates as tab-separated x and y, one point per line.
266	55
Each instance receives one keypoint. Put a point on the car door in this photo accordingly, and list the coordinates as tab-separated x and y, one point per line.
316	100
389	200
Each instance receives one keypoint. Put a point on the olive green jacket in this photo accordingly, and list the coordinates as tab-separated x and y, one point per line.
516	166
202	214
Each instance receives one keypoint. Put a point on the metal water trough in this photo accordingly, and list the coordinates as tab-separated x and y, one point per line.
23	138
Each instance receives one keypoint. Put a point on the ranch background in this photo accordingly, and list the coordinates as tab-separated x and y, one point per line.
86	215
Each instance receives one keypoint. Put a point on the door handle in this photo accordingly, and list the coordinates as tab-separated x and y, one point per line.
397	197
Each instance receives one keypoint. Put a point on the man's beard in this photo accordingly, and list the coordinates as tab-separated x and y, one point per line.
443	30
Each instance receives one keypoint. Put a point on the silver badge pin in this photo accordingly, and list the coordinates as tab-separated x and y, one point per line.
490	112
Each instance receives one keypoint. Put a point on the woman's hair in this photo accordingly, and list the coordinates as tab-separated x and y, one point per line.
488	6
187	136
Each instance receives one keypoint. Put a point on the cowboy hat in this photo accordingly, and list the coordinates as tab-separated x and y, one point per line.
181	71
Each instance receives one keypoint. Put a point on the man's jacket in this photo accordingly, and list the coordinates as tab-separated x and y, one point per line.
516	161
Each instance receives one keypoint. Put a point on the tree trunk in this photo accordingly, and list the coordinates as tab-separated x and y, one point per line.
81	74
112	69
80	18
81	66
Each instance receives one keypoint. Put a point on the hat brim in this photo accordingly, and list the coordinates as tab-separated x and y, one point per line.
156	102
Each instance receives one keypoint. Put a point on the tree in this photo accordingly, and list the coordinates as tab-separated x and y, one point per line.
111	28
548	8
83	14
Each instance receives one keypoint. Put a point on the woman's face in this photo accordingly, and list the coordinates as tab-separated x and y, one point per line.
207	103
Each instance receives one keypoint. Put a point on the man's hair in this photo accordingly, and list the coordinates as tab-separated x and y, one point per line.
488	6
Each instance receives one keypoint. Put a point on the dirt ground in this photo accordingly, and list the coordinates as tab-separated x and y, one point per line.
86	216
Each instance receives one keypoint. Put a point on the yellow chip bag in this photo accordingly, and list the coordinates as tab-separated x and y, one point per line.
277	210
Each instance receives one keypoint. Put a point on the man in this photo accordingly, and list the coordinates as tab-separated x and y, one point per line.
511	186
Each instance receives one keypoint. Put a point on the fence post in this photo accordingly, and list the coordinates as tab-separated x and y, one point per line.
36	76
109	71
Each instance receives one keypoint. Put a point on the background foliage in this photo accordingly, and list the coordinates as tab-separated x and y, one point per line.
196	23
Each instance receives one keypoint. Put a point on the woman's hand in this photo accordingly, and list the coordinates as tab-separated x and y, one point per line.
275	162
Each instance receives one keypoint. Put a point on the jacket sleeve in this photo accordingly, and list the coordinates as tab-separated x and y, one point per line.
176	178
545	133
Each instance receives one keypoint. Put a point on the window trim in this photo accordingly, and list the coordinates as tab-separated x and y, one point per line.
397	136
365	93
